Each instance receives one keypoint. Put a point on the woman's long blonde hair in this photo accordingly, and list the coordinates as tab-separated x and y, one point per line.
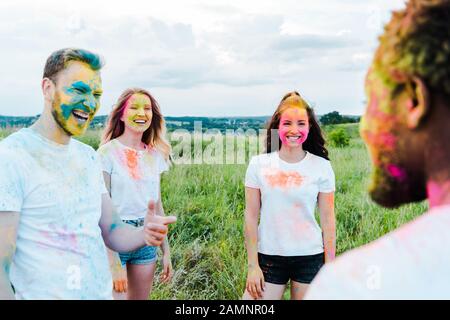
154	136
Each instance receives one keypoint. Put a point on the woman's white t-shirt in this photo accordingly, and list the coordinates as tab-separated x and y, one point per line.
289	194
135	177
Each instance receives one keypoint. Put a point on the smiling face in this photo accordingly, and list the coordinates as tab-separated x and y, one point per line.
78	89
393	149
137	115
294	127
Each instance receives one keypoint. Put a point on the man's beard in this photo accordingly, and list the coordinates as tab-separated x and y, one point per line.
58	116
390	192
60	124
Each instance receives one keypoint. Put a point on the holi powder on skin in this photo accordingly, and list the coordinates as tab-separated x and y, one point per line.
10	238
80	94
396	172
378	129
385	140
138	114
293	123
113	227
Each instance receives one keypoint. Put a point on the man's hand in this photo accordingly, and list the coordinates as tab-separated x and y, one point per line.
156	227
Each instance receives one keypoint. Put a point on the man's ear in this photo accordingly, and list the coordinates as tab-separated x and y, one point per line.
48	89
419	107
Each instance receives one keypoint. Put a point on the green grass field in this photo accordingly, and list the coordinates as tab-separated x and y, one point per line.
207	242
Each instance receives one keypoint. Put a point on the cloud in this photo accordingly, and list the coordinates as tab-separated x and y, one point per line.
192	49
313	41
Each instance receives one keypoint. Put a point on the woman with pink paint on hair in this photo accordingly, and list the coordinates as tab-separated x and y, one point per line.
134	153
282	188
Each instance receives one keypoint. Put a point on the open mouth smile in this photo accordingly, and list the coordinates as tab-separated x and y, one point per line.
293	138
80	115
140	121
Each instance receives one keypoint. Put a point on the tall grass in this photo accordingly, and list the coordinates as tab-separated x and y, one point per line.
207	242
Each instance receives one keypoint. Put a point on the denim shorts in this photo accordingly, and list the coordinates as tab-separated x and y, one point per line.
281	269
144	255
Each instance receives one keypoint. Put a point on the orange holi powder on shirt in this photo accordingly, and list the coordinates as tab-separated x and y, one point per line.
132	163
284	179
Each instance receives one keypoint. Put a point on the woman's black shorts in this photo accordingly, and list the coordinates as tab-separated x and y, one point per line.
281	269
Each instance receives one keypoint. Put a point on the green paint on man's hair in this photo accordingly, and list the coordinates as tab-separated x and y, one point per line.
59	60
416	42
90	58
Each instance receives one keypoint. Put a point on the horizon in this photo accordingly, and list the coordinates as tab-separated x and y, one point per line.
211	117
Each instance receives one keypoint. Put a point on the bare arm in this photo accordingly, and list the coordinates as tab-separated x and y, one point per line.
255	278
118	272
252	207
114	231
113	256
121	237
9	222
328	223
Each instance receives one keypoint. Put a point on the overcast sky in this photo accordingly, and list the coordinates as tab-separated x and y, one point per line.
199	58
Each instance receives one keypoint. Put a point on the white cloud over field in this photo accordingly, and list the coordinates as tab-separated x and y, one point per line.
211	58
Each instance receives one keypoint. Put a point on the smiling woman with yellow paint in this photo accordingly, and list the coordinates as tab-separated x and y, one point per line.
283	186
134	153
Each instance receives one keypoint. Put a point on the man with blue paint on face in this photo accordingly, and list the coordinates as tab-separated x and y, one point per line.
55	213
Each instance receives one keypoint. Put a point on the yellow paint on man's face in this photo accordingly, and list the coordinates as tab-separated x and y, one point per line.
380	129
78	90
138	113
379	117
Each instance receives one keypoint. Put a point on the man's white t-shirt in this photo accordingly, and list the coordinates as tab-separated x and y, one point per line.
412	262
135	177
57	190
289	194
